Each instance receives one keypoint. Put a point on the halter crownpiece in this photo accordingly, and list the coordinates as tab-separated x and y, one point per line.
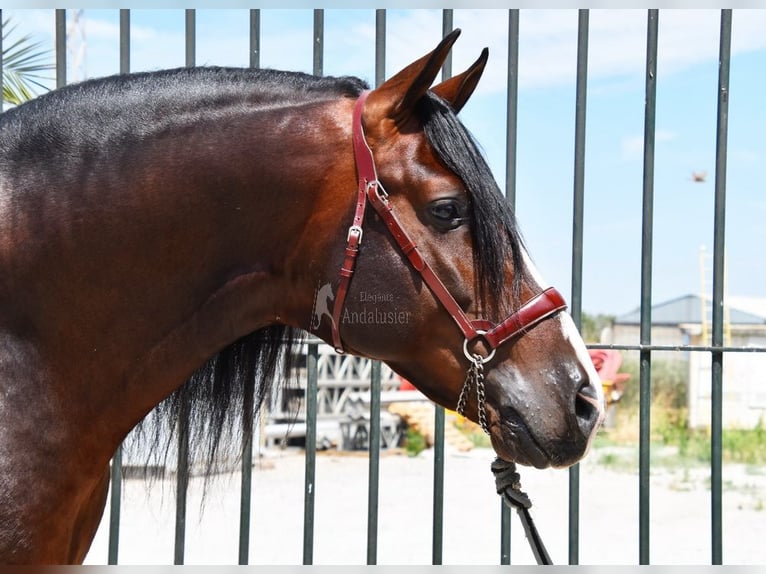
540	307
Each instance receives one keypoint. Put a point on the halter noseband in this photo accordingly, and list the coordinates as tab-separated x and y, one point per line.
370	189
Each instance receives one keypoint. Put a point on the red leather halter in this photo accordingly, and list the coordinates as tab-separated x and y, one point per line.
369	189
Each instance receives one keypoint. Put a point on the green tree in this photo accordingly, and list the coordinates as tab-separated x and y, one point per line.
24	63
592	325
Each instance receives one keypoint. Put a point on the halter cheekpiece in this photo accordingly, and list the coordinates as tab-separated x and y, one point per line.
535	310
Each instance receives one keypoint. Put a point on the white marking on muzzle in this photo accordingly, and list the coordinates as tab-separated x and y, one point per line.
571	334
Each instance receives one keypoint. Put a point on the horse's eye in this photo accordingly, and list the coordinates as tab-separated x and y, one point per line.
447	213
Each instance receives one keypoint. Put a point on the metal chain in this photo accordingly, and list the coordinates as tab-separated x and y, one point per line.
475	375
480	395
463	398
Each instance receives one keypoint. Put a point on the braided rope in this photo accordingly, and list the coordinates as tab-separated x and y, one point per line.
508	486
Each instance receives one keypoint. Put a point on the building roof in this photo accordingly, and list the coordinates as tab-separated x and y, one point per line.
688	309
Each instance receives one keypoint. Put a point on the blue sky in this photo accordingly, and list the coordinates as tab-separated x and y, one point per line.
686	120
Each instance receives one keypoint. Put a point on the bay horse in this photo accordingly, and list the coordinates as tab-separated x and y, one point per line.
162	237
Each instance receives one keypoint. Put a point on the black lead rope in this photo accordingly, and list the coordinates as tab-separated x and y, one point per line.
508	486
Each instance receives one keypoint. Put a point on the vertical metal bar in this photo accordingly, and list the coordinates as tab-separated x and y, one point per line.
191	37
248	415
437	524
124	41
318	52
182	473
510	194
374	478
380	46
512	106
318	42
375	371
577	249
312	384
437	528
309	493
248	406
116	470
182	483
448	20
505	533
60	47
255	38
114	507
579	166
645	369
716	446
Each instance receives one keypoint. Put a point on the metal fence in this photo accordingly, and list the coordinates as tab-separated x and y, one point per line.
645	348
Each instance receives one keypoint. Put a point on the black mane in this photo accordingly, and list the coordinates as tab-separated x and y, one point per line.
494	232
121	109
183	88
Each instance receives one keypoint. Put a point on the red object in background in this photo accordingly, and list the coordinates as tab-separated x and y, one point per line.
405	385
607	363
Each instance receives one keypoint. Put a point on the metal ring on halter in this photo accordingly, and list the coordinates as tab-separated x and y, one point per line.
473	358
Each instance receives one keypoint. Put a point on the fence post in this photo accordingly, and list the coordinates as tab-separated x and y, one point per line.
114	507
182	470
255	38
312	384
60	47
124	41
645	369
248	407
309	493
577	249
716	420
116	470
437	527
374	472
375	369
510	194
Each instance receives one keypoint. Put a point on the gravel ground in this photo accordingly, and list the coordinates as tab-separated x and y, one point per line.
680	514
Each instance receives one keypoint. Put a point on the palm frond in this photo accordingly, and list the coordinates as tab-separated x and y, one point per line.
25	62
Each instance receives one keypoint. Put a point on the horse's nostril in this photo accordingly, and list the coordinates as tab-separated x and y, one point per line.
588	409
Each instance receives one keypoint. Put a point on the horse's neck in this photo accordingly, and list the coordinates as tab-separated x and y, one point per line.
258	239
180	245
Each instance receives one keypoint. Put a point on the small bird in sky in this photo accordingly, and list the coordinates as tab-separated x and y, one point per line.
699	176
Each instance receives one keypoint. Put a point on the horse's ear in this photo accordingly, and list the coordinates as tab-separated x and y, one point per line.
459	88
396	97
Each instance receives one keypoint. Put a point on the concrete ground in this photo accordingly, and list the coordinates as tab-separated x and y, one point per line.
680	514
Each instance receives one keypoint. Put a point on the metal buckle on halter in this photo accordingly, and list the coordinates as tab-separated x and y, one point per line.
356	231
475	357
379	189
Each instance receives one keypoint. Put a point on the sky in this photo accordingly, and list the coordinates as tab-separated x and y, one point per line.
687	85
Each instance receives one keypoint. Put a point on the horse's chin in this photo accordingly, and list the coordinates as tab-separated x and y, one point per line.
514	445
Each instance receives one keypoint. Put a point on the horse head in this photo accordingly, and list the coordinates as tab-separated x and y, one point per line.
436	282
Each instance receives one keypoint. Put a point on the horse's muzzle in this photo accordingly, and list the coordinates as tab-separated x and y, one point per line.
523	434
